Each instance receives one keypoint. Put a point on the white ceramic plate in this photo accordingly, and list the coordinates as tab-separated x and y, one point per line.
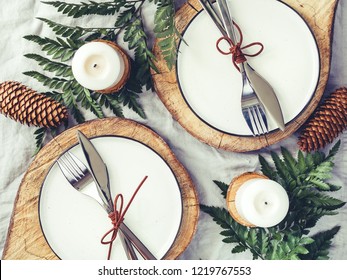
290	62
73	223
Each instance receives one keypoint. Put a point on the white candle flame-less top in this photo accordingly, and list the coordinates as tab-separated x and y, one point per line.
97	66
262	202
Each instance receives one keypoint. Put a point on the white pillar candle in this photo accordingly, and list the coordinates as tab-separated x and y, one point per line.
97	66
262	202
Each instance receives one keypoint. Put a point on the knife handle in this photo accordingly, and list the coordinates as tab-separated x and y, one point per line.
143	250
129	249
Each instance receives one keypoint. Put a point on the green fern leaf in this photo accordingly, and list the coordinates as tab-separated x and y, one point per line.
230	239
282	170
56	49
326	202
165	29
319	184
89	103
223	187
125	17
301	163
40	135
137	39
53	83
263	241
111	102
238	249
322	171
319	249
334	150
60	69
91	8
266	169
70	103
73	32
290	162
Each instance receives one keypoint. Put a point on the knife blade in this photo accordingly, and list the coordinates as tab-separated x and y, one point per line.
266	95
98	170
262	88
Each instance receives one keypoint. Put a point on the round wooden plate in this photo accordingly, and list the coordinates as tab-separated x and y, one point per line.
25	239
318	14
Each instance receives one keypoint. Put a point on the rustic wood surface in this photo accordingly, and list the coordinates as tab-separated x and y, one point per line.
318	14
25	239
234	186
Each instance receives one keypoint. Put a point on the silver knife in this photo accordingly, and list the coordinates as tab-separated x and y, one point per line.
99	173
262	88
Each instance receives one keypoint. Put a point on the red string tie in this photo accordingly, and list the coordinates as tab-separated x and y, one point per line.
117	217
236	49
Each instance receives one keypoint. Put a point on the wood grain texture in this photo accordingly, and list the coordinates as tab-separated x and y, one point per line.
318	14
25	239
234	186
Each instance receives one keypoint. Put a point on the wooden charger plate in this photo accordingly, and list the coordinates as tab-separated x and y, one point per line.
319	16
25	239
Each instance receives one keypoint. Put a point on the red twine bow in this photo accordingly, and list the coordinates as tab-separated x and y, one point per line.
238	56
117	217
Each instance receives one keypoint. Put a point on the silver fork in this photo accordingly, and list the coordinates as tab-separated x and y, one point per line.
252	109
80	178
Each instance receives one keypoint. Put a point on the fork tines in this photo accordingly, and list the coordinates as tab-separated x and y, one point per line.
71	167
256	119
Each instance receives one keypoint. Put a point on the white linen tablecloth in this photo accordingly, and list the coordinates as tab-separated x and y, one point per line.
204	163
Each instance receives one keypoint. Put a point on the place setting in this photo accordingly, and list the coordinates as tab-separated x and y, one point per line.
242	82
84	193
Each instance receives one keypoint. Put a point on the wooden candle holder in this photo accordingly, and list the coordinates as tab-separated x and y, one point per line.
127	68
234	186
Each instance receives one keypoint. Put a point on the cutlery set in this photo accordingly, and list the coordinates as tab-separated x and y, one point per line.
80	177
258	99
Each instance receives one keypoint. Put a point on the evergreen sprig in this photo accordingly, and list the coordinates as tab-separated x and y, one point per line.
304	179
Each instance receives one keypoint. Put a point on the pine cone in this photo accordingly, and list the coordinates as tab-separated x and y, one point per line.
328	121
25	105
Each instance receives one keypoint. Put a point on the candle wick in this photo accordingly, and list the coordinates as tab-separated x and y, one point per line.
95	65
265	202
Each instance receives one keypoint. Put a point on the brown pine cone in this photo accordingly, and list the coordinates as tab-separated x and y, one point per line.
327	122
25	105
